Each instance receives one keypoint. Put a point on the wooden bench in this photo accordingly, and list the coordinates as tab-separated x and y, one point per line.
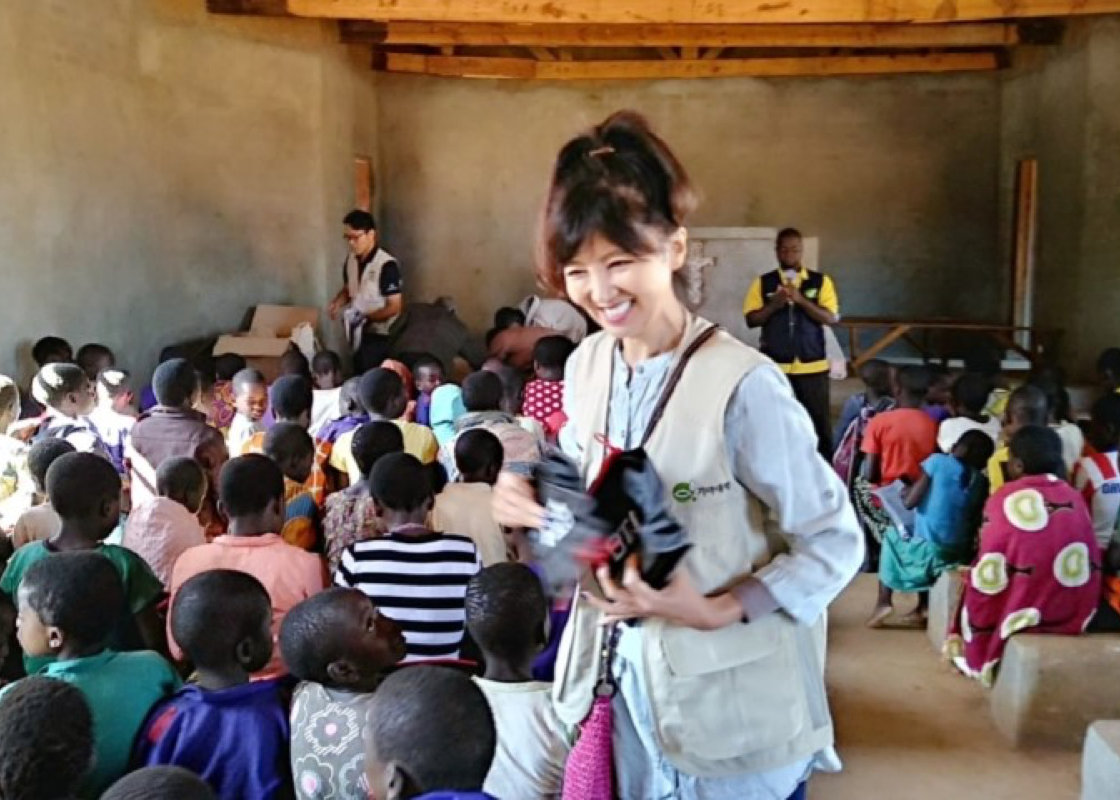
944	598
1100	762
1050	689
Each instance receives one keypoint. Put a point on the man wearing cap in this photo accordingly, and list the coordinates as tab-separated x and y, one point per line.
793	306
370	299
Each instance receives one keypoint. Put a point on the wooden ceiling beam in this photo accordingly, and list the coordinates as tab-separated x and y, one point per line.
697	11
438	34
528	69
260	8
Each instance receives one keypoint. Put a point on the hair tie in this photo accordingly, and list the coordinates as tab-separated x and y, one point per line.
606	150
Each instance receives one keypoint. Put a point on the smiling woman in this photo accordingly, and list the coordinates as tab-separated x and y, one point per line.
719	674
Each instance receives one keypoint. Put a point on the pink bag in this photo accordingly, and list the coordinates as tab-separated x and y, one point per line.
589	773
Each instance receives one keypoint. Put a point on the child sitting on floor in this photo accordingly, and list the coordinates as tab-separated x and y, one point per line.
351	515
447	409
429	377
17	489
326	373
1097	476
113	418
384	398
41	521
855	415
415	575
1027	405
939	397
351	413
464	507
947	498
69	396
483	395
250	399
970	395
68	608
430	733
85	491
224	409
230	732
544	396
507	615
290	446
1038	568
894	446
252	498
47	746
164	528
1061	421
165	783
290	400
94	359
48	350
340	647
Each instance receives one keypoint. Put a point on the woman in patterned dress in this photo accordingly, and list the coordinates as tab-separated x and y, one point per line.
1038	569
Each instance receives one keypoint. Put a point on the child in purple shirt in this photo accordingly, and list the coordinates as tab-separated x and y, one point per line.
231	732
429	377
353	417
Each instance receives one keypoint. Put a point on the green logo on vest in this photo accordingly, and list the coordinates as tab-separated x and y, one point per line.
683	493
811	293
686	492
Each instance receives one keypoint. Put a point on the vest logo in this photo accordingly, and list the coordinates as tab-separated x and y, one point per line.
811	294
1110	488
686	492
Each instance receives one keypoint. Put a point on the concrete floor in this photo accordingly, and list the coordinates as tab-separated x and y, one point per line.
909	727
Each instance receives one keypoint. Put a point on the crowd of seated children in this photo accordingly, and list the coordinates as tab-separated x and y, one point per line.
40	522
163	528
251	497
351	514
414	575
1039	565
383	396
85	492
507	617
231	731
1097	475
69	606
340	647
69	397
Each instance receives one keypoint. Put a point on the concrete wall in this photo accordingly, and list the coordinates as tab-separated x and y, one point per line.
164	169
1062	106
897	176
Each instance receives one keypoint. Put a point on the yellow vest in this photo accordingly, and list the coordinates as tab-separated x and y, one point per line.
747	698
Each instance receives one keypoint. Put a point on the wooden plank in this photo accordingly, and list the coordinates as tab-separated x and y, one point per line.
690	53
697	11
1026	237
486	67
668	53
881	345
542	54
436	34
260	8
712	52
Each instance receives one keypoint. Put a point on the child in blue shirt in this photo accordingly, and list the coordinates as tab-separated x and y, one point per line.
947	499
430	736
231	732
340	647
68	606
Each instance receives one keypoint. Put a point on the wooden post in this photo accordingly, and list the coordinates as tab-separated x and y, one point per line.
1026	240
363	183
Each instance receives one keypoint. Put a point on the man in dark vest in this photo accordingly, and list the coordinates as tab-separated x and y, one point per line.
793	305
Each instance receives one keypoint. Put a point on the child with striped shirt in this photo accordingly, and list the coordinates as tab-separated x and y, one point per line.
415	576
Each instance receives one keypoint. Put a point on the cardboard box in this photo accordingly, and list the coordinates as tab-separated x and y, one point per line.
268	337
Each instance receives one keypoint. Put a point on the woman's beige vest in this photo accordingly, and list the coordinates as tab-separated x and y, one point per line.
746	698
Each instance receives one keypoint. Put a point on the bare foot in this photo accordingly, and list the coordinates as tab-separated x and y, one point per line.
915	619
879	616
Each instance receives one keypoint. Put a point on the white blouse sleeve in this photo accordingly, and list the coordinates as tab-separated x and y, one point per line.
773	450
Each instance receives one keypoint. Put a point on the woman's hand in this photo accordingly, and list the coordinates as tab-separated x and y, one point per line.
680	602
515	503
